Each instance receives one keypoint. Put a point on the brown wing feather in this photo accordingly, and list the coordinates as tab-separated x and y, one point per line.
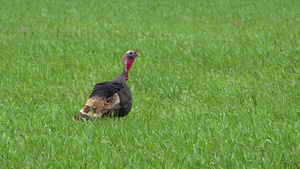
114	102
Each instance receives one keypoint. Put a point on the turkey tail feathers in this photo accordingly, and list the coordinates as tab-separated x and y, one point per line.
99	107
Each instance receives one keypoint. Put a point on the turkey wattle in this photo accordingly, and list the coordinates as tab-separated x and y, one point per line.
112	99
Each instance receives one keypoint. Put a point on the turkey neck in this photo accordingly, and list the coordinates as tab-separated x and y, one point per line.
121	77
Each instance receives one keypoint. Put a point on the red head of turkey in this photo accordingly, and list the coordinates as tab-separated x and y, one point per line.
111	99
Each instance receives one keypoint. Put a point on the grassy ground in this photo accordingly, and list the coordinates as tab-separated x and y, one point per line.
216	86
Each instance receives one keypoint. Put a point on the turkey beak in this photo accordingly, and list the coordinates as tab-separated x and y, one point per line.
136	53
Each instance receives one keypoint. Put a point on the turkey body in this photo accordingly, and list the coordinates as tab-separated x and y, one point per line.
107	90
108	99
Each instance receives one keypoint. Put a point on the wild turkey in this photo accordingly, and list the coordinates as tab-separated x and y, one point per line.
112	99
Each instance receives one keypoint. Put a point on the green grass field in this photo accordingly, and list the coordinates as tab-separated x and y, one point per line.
216	85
